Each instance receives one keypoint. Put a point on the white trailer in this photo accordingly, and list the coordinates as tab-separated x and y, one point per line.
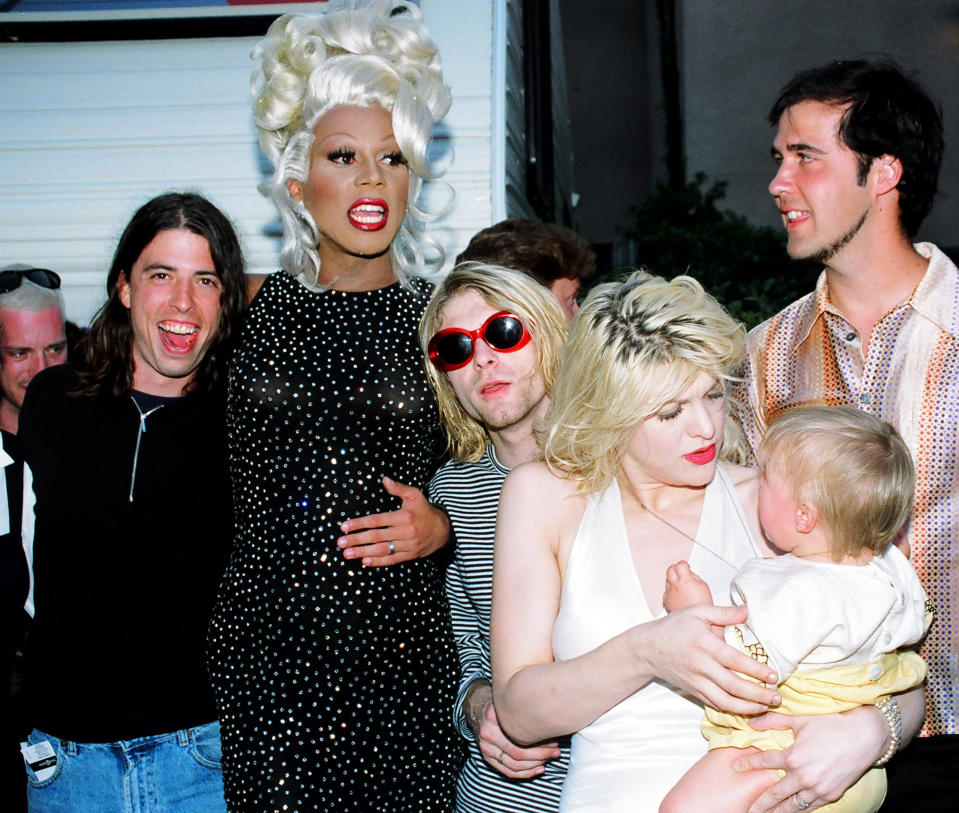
103	108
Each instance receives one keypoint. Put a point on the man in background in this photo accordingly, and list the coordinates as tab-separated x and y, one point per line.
32	335
32	338
555	256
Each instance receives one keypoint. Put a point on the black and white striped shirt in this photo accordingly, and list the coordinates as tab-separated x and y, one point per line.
469	493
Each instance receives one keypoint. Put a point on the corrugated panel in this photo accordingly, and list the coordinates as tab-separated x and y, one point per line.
90	130
515	150
563	180
463	32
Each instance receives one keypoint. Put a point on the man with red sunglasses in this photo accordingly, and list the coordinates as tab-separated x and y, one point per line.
493	338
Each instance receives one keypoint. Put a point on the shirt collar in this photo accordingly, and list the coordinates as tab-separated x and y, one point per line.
812	308
494	460
936	297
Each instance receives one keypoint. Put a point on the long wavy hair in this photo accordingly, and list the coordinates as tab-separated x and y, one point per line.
356	53
635	346
108	347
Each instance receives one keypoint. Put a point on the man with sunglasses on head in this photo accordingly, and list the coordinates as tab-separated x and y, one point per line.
492	337
32	337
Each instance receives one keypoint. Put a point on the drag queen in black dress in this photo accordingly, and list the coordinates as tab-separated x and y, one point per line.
335	680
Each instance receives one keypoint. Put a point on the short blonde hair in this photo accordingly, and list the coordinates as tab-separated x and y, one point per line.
502	289
635	346
356	53
852	467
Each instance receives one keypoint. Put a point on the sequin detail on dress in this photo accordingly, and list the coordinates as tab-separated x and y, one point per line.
335	682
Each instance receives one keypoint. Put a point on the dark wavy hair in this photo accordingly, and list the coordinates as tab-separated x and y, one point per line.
545	251
108	348
888	114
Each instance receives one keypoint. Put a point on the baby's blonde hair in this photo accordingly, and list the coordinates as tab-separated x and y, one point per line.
852	467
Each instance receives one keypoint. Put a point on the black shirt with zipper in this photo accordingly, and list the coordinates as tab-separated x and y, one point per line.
133	532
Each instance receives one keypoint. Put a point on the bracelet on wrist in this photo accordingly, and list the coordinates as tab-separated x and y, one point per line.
892	714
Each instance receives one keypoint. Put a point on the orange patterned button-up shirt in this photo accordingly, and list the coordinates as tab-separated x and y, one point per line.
808	354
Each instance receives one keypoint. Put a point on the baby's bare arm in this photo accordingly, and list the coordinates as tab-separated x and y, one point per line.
684	588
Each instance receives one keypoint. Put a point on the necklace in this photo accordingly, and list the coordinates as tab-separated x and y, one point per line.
698	545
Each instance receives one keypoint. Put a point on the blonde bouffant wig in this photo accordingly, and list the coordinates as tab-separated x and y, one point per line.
635	346
358	53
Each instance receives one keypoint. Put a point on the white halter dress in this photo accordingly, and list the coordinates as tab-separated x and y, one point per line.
629	758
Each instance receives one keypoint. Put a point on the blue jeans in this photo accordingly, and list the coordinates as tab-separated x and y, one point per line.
177	772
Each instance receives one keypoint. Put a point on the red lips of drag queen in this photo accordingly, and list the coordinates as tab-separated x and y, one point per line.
369	214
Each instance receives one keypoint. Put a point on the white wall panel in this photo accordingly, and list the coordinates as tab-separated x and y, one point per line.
91	130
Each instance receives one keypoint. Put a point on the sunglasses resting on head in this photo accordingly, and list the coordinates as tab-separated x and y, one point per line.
11	278
453	347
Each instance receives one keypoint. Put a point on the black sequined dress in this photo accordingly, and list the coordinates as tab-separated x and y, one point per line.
335	683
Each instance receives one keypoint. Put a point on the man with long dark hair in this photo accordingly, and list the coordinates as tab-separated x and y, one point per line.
134	525
858	147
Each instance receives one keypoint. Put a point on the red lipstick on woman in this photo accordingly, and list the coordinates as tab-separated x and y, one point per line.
702	456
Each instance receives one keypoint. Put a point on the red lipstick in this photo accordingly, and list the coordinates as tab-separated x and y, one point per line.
702	456
368	214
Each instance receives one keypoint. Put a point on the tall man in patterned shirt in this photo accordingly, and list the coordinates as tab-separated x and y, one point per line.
493	337
859	147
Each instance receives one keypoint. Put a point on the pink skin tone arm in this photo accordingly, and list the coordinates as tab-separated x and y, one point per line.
747	778
538	698
713	777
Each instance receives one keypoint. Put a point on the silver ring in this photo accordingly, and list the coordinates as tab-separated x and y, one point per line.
392	546
800	803
502	756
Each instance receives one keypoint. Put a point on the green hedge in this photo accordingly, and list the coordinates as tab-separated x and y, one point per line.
683	231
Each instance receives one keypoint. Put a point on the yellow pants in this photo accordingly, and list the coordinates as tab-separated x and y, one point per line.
825	691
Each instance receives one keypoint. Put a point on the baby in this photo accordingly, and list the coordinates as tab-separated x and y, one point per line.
830	613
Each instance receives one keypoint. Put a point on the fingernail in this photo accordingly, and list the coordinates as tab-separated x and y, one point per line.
341	542
349	553
345	526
